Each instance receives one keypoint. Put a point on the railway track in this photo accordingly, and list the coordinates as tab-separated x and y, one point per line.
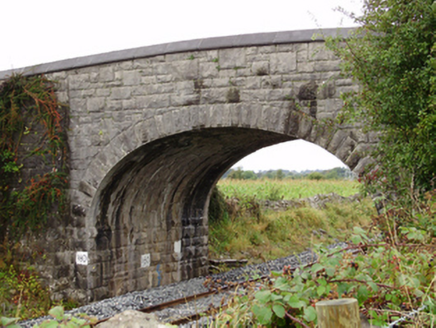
203	294
206	304
198	305
203	305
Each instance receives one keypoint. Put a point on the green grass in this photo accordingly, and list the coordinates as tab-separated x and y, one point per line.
271	235
286	189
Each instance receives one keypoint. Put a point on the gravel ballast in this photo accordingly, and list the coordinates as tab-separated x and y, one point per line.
153	296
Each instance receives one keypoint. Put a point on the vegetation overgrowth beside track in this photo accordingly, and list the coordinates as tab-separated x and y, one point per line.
246	231
392	55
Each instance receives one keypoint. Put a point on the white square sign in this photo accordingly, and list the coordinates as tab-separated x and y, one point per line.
82	258
145	260
177	246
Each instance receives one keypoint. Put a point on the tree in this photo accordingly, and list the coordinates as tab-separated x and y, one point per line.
249	175
393	58
279	174
315	176
235	174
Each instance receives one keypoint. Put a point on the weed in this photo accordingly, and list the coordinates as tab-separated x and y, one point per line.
61	320
261	71
21	293
29	104
261	235
390	273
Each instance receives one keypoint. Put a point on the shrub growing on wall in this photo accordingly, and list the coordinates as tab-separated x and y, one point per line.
32	154
393	58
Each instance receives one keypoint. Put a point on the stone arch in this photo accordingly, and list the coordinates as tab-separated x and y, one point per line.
154	199
129	106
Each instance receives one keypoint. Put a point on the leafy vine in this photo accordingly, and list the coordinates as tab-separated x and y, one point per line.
32	154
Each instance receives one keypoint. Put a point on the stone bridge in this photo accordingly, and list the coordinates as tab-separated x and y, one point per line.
152	129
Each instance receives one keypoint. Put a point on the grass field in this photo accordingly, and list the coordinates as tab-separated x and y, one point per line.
265	234
286	189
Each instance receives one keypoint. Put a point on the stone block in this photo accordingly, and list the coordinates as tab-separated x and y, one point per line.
213	96
102	92
95	104
339	137
232	58
164	78
79	82
106	74
181	120
131	318
267	49
283	63
327	66
131	77
121	93
208	70
318	51
185	70
345	149
184	100
304	67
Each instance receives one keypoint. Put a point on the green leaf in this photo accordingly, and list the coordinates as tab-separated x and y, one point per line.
310	314
362	294
355	239
282	284
333	261
342	288
320	290
263	314
418	293
279	310
373	286
263	296
49	324
295	302
316	267
330	272
275	297
57	312
322	282
7	321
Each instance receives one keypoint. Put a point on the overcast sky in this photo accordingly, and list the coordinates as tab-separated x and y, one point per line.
40	31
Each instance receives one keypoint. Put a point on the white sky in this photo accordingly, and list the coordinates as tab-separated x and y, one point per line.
297	155
40	31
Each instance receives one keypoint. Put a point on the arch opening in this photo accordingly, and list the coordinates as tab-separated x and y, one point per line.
151	209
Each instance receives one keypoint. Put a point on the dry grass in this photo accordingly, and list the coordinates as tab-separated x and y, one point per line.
272	234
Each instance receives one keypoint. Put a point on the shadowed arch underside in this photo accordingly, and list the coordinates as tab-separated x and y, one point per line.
151	210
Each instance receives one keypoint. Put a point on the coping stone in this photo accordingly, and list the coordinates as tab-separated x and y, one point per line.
243	40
